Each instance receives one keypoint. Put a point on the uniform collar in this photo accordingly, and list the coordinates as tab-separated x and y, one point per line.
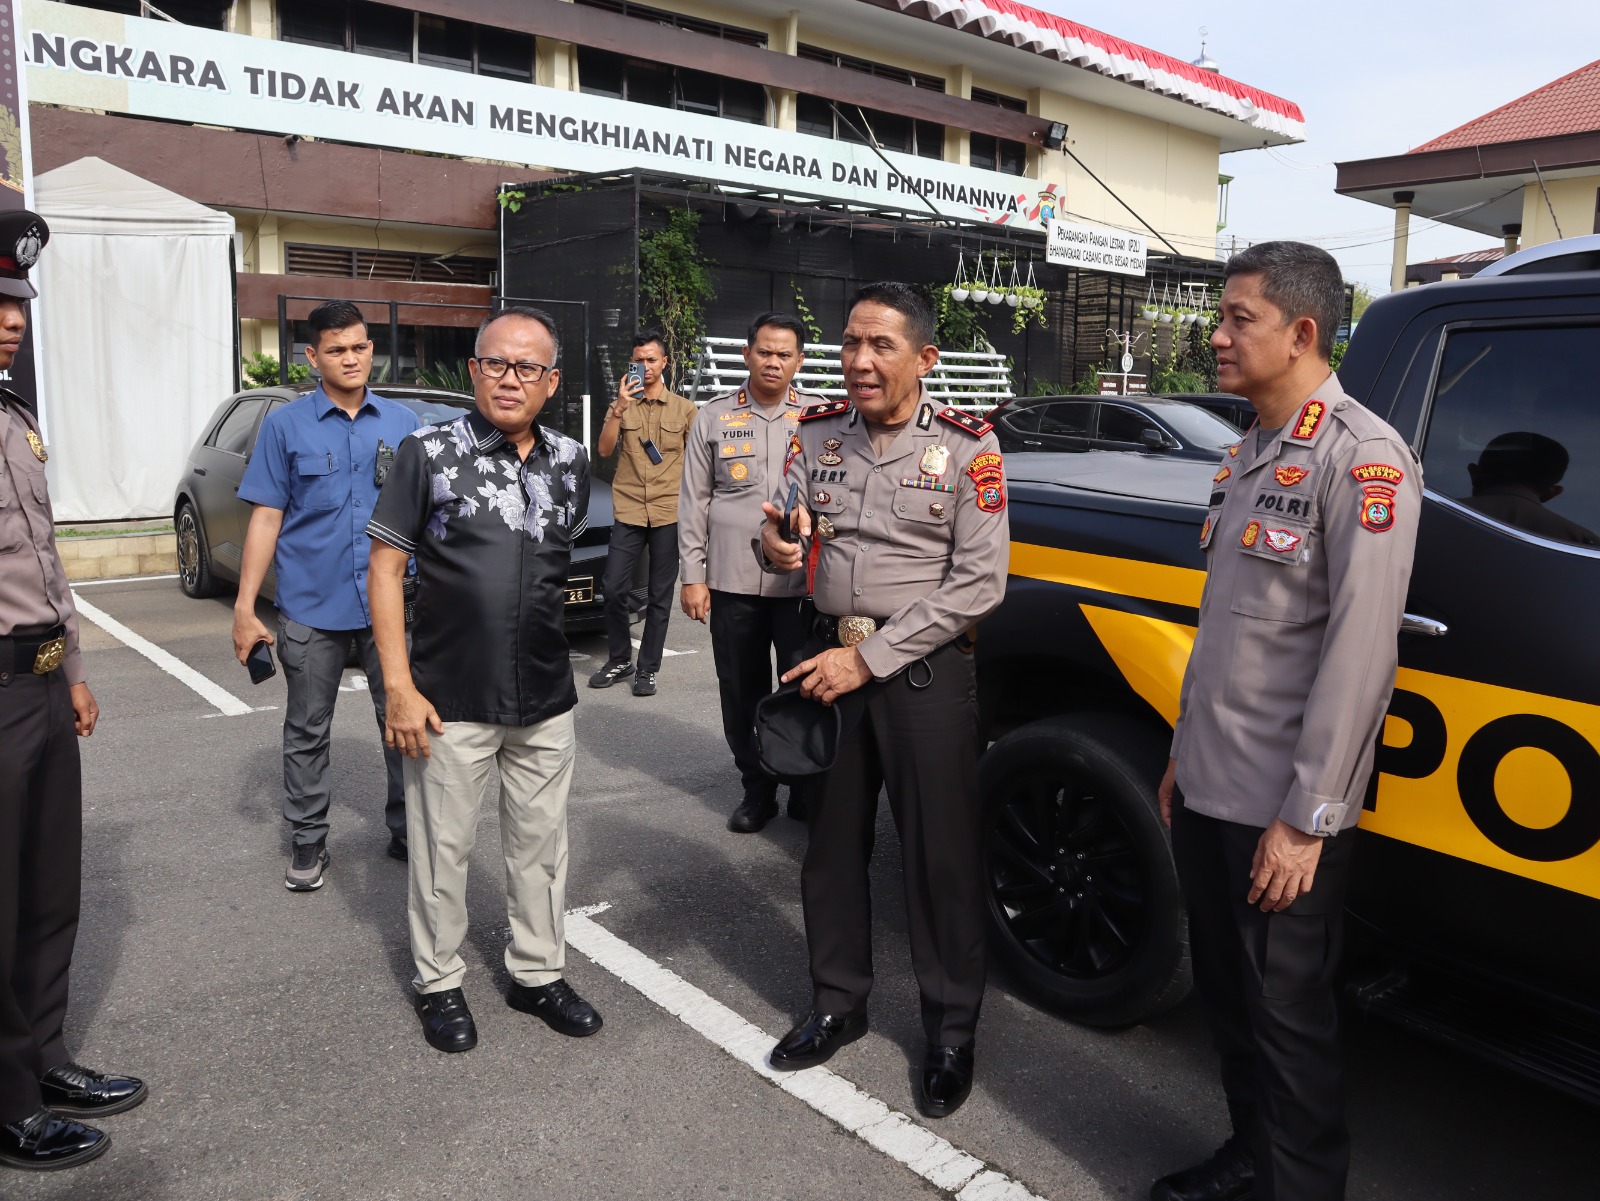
486	436
324	405
1307	425
742	399
904	442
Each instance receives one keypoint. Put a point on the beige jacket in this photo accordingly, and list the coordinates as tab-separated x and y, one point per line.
642	492
1308	549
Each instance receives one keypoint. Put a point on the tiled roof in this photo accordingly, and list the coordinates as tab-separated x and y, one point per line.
1493	255
1569	105
1067	41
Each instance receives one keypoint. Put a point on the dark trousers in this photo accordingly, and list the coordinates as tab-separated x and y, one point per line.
1266	981
923	744
745	631
41	844
313	665
628	542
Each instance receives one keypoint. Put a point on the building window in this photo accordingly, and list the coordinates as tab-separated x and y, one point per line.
348	262
627	8
363	27
821	118
910	78
998	154
602	73
205	14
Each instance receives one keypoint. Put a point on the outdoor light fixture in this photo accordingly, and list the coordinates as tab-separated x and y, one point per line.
1055	135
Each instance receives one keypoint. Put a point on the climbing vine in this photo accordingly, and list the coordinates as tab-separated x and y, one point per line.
675	285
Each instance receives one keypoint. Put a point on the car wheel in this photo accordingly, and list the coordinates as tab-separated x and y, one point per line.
1082	895
194	564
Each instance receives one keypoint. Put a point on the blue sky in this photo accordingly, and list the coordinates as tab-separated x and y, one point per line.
1373	79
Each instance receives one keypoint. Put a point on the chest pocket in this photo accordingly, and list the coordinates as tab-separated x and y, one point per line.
1275	568
736	463
924	505
671	440
827	498
317	480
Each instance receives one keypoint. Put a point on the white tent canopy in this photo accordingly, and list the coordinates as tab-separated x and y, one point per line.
135	332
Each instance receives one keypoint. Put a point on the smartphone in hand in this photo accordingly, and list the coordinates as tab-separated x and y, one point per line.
259	661
635	377
787	527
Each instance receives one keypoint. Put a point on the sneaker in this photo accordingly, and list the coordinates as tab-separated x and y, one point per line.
616	669
306	868
644	684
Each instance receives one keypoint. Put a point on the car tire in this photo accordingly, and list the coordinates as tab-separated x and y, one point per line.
194	562
1081	892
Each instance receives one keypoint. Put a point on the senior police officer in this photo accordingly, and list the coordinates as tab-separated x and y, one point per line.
735	457
908	503
45	707
1309	543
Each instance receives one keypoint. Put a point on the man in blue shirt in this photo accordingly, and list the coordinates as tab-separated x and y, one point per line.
314	478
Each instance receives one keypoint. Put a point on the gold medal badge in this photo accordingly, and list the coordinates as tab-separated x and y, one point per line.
35	445
934	460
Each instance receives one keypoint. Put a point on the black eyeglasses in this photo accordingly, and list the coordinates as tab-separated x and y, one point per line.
528	373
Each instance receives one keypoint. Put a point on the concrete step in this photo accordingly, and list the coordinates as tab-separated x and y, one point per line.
115	555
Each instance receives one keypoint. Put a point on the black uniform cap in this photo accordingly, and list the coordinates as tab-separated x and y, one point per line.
798	737
23	235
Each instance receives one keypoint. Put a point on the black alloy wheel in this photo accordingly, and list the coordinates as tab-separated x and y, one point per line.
1083	900
194	564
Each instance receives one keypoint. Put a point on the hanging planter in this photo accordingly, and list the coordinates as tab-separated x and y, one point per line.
1150	310
1013	291
980	282
958	289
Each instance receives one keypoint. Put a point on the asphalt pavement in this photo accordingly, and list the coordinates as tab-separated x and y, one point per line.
285	1060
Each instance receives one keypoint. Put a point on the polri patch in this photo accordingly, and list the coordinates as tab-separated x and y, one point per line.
1290	476
1377	473
988	475
1306	425
739	472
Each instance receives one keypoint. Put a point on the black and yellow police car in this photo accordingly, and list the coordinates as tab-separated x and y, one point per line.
1477	891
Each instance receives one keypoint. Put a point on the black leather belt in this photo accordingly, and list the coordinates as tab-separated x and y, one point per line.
42	652
846	631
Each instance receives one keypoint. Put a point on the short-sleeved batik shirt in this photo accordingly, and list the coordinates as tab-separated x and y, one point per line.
492	536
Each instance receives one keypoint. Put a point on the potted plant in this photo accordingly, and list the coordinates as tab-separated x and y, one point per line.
959	290
1166	315
980	283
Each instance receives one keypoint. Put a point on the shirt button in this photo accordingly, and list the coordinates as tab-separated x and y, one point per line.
876	470
358	505
869	512
858	592
901	508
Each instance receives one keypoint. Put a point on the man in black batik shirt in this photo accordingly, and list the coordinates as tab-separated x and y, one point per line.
489	504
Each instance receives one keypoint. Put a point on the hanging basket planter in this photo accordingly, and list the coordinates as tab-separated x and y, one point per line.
958	289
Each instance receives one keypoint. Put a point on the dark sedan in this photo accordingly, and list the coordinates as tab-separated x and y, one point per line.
211	519
1151	424
1235	410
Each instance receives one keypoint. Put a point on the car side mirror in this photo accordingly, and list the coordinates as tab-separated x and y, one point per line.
1153	439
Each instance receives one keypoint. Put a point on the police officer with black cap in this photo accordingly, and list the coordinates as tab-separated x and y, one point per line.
45	707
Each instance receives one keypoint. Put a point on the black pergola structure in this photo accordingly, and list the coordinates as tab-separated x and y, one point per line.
576	239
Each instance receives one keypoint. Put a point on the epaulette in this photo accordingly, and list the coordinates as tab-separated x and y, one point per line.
966	422
1309	421
832	408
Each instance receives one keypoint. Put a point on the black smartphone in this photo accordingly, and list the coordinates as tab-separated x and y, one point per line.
635	377
259	661
651	450
788	513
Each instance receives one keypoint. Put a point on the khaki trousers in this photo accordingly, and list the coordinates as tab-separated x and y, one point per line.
443	794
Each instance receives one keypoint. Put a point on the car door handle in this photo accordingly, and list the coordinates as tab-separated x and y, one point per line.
1427	626
1031	442
199	470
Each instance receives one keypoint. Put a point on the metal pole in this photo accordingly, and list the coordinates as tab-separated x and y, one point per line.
283	340
394	342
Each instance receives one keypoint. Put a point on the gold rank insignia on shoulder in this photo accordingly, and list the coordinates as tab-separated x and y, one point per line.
1305	426
35	445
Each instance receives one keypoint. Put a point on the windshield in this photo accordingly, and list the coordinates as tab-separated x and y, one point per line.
1196	426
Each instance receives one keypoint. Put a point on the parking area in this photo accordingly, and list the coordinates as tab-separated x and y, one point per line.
285	1062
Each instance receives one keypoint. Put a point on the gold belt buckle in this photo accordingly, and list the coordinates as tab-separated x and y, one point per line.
855	630
49	657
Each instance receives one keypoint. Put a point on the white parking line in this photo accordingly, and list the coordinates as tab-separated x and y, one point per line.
664	651
220	698
126	579
936	1160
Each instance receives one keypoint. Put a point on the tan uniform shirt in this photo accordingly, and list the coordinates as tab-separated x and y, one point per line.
1308	546
646	493
34	593
733	462
920	534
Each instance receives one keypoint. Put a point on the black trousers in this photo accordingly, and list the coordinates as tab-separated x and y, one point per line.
922	742
745	632
1266	981
41	843
628	542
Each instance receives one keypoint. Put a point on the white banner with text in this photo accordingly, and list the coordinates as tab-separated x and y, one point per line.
1095	248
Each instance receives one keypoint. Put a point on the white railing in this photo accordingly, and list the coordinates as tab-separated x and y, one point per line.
970	380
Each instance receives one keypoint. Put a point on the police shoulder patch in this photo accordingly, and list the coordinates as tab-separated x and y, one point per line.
966	422
831	408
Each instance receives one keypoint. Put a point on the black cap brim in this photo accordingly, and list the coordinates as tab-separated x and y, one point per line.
19	288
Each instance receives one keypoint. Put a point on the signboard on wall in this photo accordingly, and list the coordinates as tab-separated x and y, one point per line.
16	188
143	67
1095	248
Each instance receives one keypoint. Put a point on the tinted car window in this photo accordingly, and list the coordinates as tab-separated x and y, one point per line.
1198	427
1514	428
1068	418
233	435
1118	424
1022	421
430	411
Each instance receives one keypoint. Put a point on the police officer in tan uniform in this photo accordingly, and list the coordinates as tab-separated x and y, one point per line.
1309	540
907	503
734	460
45	707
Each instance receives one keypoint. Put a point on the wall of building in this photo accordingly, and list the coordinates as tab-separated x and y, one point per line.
1575	202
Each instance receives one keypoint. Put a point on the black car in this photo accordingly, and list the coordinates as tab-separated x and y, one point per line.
1151	424
211	519
1235	410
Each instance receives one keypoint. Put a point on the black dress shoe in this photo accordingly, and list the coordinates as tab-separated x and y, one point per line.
815	1040
447	1022
78	1090
398	849
45	1142
796	807
946	1079
753	814
562	1009
1229	1175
